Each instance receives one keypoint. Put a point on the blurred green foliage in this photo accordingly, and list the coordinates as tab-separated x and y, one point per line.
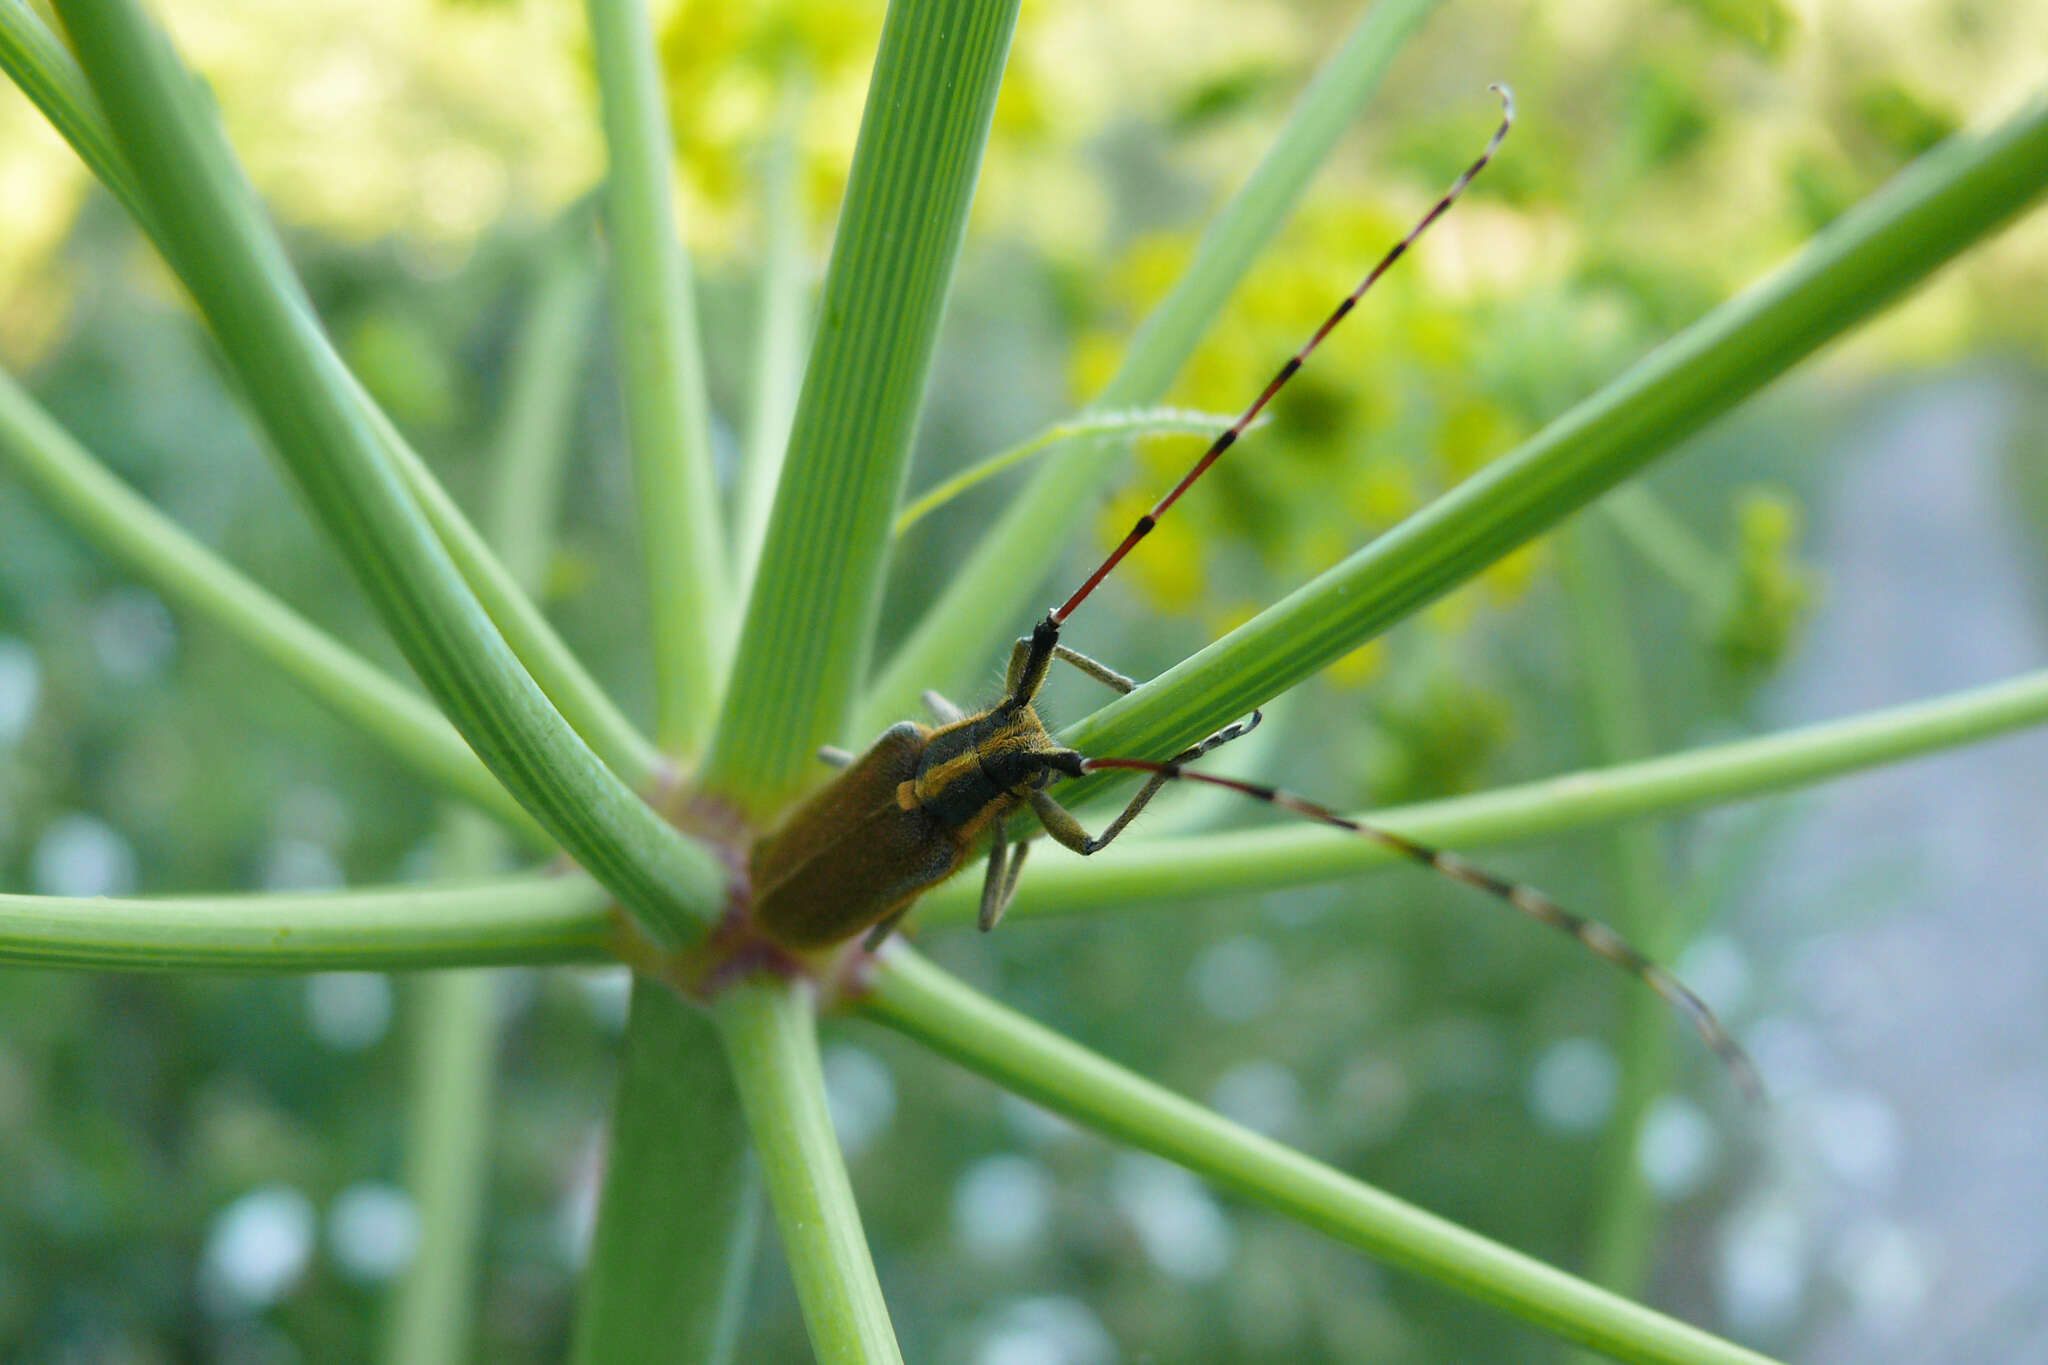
1668	153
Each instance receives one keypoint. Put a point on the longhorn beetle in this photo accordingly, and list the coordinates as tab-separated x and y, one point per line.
905	815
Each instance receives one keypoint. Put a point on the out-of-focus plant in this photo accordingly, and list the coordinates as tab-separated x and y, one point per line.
645	837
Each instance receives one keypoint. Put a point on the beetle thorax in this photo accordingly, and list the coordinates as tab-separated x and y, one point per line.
983	767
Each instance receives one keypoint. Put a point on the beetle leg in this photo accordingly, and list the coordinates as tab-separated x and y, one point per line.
1065	828
1237	729
1001	886
993	901
1061	824
1110	678
945	711
1018	852
834	755
885	926
1094	668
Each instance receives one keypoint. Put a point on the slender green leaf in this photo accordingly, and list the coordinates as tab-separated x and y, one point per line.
1139	871
916	998
1932	212
221	245
667	411
109	513
771	1039
811	618
680	1213
1132	422
40	64
389	929
984	599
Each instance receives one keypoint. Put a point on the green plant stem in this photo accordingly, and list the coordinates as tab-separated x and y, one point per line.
504	920
1669	546
1153	870
984	599
811	619
668	414
1623	1224
108	513
531	445
781	315
555	669
680	1214
37	61
916	998
448	1146
1942	204
770	1035
228	256
1131	423
546	377
448	1135
446	1169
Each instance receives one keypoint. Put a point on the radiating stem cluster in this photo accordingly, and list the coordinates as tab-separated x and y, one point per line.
721	1102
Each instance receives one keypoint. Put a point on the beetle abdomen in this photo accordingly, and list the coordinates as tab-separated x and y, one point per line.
851	853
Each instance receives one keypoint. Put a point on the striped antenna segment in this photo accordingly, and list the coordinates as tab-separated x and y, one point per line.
1230	435
1591	934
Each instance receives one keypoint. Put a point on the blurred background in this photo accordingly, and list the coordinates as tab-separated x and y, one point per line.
210	1167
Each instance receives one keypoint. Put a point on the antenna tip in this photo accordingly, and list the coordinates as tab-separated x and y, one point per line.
1507	99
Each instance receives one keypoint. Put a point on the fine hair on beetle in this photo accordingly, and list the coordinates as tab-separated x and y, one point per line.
854	857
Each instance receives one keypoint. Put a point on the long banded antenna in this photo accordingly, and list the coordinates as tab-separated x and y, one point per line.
1591	934
1229	436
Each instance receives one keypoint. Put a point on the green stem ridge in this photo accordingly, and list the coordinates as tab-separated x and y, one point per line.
231	260
811	619
916	998
1936	208
529	919
771	1040
1152	870
668	414
109	514
985	599
680	1214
